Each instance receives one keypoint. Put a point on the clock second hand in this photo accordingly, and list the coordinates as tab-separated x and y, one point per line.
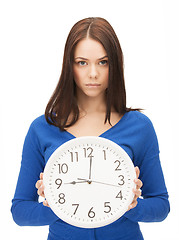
90	181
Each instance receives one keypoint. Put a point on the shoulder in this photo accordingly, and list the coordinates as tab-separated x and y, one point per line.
39	122
39	125
40	131
140	122
141	129
139	118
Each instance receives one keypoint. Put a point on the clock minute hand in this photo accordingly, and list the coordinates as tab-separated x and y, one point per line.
106	184
90	181
90	167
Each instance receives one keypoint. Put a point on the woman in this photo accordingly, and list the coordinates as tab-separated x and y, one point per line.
90	99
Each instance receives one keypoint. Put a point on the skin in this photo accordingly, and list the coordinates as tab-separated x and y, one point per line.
91	71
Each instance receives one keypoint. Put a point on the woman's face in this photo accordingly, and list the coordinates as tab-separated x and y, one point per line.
91	68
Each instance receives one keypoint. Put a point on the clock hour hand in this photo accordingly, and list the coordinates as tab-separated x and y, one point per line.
90	181
75	182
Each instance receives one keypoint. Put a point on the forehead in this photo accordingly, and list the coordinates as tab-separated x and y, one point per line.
90	49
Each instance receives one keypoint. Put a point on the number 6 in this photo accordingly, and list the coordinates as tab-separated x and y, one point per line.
91	214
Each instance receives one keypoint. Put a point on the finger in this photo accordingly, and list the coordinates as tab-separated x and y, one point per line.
45	203
41	194
137	172
41	176
38	184
138	183
135	202
132	205
137	193
41	191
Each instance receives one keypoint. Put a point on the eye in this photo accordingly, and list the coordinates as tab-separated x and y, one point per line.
103	62
82	63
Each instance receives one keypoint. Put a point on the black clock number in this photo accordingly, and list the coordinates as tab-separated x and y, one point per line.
119	195
121	177
58	182
88	152
91	213
107	206
61	199
118	164
63	168
104	152
74	156
76	205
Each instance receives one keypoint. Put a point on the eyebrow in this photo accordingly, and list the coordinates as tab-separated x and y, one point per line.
87	58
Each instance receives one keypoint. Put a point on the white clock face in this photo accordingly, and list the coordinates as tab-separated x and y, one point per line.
89	181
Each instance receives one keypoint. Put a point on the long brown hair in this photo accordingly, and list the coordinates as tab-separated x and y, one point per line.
63	101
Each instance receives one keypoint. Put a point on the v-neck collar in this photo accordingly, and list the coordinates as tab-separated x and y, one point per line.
104	133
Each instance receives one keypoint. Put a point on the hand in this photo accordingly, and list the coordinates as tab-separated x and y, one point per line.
39	185
136	191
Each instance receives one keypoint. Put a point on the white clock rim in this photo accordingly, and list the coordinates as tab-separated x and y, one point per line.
63	217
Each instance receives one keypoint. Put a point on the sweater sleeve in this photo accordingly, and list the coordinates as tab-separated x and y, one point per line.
26	210
153	206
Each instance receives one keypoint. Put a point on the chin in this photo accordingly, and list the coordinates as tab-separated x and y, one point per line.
94	94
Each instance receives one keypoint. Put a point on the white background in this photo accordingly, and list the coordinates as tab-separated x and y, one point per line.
33	34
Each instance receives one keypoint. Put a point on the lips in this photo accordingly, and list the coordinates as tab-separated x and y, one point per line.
93	84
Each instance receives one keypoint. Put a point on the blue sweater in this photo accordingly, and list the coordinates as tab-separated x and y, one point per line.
136	135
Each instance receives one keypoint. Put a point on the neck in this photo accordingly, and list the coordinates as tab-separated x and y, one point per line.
91	104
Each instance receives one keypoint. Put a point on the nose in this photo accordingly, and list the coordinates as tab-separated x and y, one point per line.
93	73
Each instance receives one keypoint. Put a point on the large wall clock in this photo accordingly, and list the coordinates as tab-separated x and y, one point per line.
89	181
